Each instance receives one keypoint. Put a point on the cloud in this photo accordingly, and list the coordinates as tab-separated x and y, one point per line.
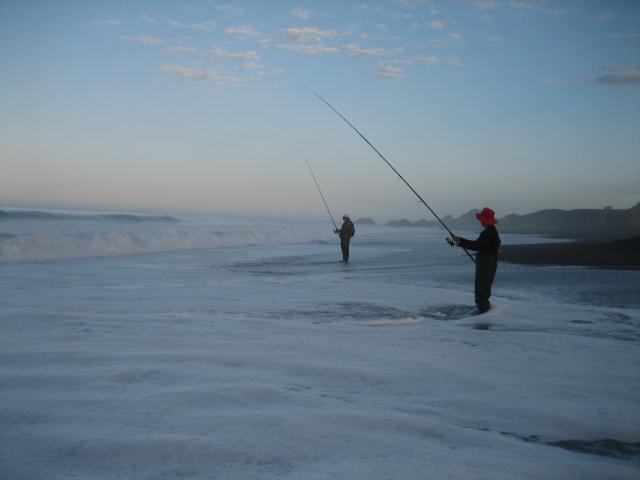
494	38
242	31
206	26
190	74
539	6
142	39
304	34
249	66
227	7
410	3
429	60
356	50
454	62
146	18
389	72
619	79
102	23
625	35
619	76
441	42
222	53
370	8
301	13
179	50
436	24
604	16
306	49
402	16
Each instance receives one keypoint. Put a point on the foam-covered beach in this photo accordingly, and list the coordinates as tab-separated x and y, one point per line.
268	359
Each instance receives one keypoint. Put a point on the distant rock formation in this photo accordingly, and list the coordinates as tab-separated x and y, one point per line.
407	223
581	223
365	221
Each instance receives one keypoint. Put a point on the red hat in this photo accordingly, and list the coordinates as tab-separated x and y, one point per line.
487	216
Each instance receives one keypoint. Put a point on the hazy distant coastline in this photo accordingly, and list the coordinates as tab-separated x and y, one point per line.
583	224
606	238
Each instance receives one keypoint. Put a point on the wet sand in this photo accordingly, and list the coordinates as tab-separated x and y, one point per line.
622	253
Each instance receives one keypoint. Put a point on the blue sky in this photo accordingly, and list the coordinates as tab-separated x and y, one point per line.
201	105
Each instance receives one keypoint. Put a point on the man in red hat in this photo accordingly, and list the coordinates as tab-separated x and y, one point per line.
487	246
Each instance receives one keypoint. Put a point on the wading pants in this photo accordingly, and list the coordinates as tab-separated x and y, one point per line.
486	266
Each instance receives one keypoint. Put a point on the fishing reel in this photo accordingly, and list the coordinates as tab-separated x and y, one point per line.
451	242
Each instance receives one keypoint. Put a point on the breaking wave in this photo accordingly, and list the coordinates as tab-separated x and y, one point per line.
65	246
114	217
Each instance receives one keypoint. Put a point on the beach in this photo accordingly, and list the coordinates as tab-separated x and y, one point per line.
265	359
617	253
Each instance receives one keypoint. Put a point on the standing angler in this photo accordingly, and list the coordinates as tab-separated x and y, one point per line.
487	246
346	232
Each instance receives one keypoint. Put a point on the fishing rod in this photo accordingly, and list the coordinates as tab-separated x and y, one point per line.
320	191
392	168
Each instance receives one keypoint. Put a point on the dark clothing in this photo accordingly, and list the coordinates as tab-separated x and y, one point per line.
346	232
487	246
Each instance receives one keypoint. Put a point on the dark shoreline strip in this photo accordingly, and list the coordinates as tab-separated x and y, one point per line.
623	253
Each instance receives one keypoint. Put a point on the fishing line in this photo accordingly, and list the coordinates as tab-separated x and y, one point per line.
392	168
320	191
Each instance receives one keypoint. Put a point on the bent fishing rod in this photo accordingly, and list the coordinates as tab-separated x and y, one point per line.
320	191
392	168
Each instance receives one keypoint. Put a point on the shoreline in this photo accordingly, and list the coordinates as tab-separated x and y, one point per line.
618	253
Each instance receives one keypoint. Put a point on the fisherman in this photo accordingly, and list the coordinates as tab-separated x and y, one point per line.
346	232
487	246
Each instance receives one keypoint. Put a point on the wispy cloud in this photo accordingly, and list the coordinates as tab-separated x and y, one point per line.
142	39
618	76
370	8
305	34
242	31
389	72
431	60
301	13
454	62
356	50
494	38
436	24
250	66
539	6
179	50
147	18
190	74
102	23
604	16
206	26
619	79
451	38
411	3
227	7
306	49
627	35
225	54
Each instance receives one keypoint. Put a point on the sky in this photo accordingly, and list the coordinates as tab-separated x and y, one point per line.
203	106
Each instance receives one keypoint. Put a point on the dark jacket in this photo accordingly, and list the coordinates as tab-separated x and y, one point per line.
487	243
347	230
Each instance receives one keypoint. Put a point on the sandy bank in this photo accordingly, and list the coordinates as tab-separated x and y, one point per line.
624	253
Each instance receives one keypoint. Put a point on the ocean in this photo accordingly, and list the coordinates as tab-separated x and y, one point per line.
162	346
